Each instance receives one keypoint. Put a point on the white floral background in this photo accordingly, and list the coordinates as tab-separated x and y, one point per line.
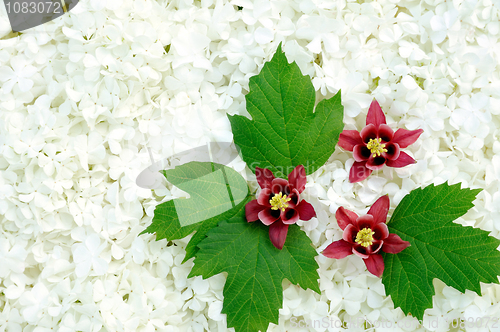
84	100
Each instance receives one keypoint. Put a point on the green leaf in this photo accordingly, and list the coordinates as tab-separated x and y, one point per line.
459	256
253	293
217	193
284	132
205	226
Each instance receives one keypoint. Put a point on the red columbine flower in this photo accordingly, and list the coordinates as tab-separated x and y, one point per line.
377	145
278	204
365	236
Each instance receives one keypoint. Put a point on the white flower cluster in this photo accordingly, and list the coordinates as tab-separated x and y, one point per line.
87	100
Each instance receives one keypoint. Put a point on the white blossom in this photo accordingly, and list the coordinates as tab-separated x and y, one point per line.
20	73
13	257
86	257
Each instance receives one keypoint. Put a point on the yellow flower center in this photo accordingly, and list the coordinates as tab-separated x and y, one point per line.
279	202
375	147
365	237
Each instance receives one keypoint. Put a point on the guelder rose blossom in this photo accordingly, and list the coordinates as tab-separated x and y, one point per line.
377	145
365	236
278	204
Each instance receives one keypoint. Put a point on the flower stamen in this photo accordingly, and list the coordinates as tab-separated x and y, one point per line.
279	201
375	147
365	237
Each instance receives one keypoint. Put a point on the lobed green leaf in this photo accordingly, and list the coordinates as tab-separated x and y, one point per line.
217	193
253	292
461	257
284	131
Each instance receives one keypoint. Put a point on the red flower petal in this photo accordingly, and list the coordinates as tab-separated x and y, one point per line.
289	216
252	210
375	264
393	244
297	178
366	221
375	247
345	217
268	216
278	186
361	153
376	163
375	115
381	231
406	137
264	177
379	209
360	251
350	233
294	198
369	132
305	210
385	133
359	172
348	139
403	160
338	250
277	234
393	151
264	197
